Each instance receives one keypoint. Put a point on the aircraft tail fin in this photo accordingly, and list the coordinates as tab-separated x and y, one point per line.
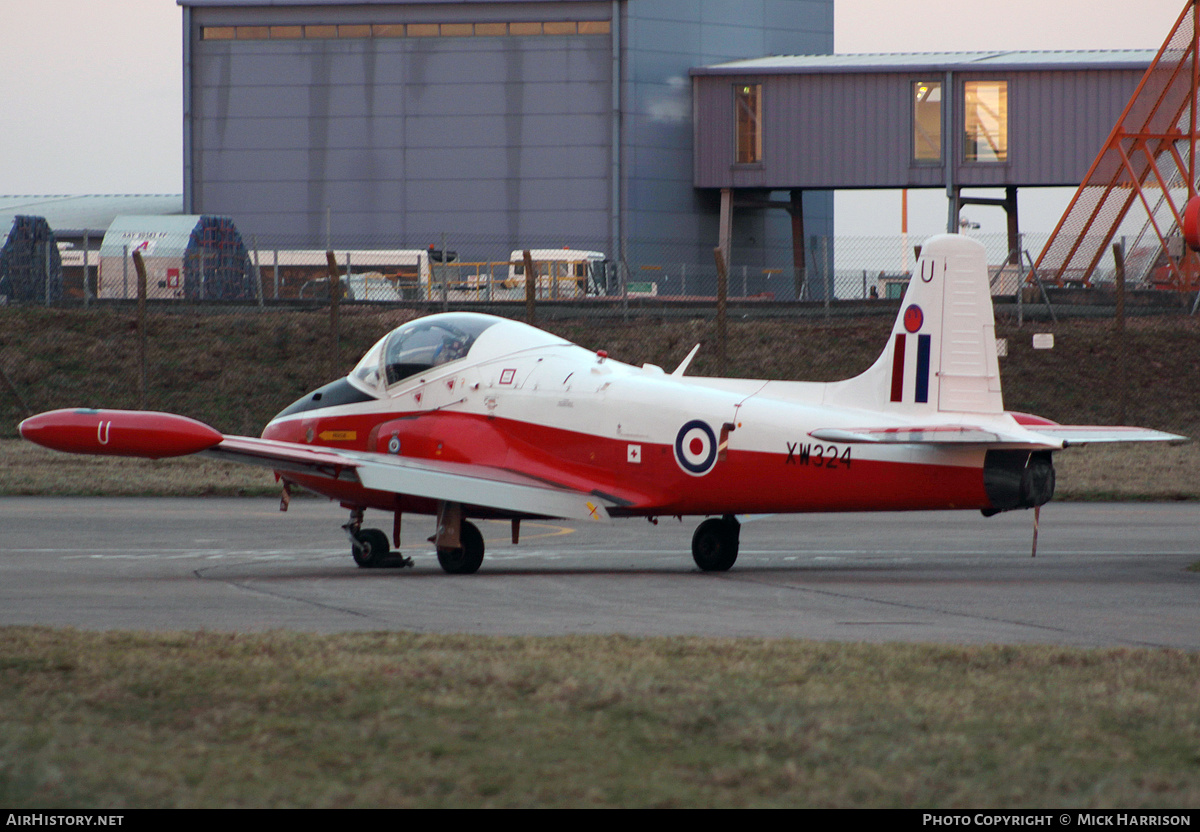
941	355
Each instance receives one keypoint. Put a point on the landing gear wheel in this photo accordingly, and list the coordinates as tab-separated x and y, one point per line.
466	559
715	544
372	549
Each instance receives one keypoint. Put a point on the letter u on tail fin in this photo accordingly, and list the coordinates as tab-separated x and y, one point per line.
941	355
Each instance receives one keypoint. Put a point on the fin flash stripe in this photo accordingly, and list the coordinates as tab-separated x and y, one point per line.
923	345
898	369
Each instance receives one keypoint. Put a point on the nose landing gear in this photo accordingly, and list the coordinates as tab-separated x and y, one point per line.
369	547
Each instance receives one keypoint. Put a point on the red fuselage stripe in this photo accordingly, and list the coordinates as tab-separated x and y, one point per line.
803	476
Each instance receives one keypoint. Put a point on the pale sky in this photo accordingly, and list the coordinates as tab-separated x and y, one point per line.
91	89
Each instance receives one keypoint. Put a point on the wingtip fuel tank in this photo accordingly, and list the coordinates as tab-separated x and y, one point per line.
119	433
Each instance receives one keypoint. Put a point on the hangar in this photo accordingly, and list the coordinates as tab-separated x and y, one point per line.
545	123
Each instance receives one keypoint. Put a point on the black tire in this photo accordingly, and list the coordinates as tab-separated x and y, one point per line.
715	544
374	551
466	559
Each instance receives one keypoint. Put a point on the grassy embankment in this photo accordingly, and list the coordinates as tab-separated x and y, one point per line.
235	371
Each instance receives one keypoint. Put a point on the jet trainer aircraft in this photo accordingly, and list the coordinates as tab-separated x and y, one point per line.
463	415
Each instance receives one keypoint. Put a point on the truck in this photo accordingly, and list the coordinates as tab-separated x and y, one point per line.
563	273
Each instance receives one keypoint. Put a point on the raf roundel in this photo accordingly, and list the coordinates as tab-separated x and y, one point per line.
913	318
696	448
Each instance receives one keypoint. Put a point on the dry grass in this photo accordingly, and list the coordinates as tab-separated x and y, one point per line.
119	720
26	469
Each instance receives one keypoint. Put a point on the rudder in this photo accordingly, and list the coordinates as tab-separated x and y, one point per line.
941	354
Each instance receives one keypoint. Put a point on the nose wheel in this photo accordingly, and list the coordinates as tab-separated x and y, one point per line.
369	547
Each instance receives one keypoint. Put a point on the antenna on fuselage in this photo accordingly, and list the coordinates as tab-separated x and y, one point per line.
683	365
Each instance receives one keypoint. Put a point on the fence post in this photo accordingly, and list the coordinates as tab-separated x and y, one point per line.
258	287
87	235
722	291
827	271
1020	302
335	287
445	277
624	272
1118	250
530	288
140	266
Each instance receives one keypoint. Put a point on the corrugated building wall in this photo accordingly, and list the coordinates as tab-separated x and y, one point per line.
486	119
827	125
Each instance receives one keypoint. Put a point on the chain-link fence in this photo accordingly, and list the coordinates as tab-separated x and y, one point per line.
236	363
216	264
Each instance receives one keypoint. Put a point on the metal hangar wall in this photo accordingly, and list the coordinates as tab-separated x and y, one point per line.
405	121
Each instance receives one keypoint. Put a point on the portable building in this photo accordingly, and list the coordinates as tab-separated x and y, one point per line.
187	257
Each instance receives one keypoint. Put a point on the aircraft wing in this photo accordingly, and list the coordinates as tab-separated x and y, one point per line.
478	485
1049	436
157	435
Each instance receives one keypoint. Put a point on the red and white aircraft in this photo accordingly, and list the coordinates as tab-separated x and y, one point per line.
463	415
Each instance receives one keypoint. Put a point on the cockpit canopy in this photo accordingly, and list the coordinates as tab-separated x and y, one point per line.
417	346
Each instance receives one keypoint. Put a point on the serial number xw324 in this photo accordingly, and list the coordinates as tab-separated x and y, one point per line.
821	456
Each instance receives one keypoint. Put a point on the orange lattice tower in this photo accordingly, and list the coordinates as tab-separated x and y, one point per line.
1139	183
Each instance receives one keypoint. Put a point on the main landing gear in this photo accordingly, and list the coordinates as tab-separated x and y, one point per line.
369	547
715	543
459	543
466	558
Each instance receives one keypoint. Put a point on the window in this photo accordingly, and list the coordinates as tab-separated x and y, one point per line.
400	30
748	98
985	121
927	121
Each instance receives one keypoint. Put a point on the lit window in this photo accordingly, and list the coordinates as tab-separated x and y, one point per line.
749	123
985	121
927	121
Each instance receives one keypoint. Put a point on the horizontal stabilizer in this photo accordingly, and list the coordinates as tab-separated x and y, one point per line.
1049	435
1087	434
933	435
